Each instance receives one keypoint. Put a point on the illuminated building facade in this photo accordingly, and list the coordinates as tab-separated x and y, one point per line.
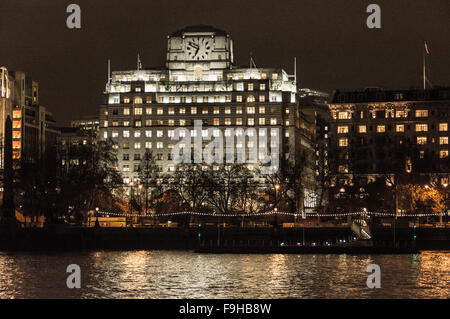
6	90
200	82
370	121
34	130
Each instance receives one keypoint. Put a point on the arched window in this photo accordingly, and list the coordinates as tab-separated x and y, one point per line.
137	100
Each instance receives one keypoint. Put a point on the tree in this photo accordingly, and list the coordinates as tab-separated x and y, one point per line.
189	181
92	178
229	187
149	176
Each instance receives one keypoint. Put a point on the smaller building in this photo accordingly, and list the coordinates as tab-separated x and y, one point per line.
369	127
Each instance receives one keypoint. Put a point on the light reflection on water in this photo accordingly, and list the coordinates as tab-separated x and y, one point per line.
182	274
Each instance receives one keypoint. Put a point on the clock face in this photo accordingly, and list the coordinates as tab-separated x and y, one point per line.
198	48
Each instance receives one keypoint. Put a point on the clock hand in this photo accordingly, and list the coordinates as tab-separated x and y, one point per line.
193	45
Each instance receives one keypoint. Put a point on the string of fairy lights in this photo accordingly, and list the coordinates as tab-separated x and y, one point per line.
271	213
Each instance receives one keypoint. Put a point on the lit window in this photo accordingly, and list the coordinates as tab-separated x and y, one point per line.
250	86
262	98
443	154
400	127
148	110
443	140
216	121
137	100
126	100
421	113
126	111
343	142
262	121
251	110
421	127
239	98
216	110
137	145
273	121
343	115
238	109
160	111
193	110
239	121
148	122
159	145
262	86
125	133
250	98
148	144
443	127
137	133
401	113
171	122
342	129
227	110
262	110
421	140
138	111
171	110
227	121
17	114
381	128
148	133
251	122
362	129
205	110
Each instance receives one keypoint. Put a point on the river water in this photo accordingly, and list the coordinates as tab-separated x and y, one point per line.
185	274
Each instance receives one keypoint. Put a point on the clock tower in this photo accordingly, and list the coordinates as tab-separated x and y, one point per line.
199	47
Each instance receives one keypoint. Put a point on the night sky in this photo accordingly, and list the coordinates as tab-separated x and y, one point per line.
333	46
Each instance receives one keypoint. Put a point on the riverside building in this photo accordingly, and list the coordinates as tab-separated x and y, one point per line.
366	123
143	107
34	130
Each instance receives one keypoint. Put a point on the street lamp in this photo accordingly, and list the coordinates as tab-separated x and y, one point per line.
277	187
131	204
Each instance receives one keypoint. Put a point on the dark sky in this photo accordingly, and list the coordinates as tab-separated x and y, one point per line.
333	46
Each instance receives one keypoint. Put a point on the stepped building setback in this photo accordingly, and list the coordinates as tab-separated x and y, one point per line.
143	107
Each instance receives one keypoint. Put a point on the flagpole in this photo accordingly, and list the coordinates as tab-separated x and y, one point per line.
424	68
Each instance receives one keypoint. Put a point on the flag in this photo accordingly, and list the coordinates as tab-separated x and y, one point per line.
426	48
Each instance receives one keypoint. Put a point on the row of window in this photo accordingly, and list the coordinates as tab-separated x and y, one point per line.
158	78
344	129
193	133
196	110
215	121
420	140
194	99
346	115
160	145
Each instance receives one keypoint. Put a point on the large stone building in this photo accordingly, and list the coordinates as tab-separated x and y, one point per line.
143	107
371	128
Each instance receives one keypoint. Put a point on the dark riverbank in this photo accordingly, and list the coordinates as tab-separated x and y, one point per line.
212	239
